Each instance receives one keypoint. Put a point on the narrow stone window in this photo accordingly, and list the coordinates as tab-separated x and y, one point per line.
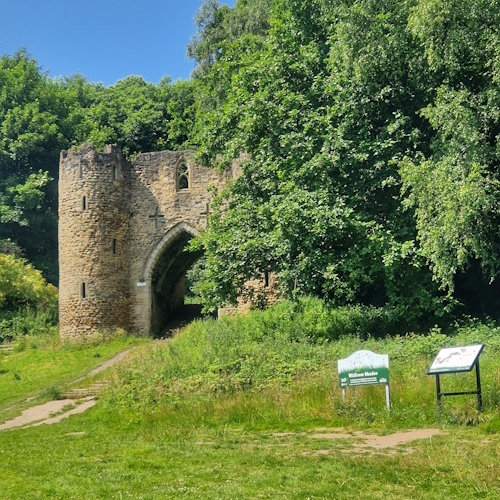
84	203
182	177
115	173
84	290
266	279
81	165
113	246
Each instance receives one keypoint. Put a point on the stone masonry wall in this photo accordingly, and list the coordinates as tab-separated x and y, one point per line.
122	231
94	270
154	191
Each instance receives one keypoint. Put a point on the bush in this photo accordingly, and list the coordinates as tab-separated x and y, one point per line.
289	342
22	286
14	325
255	351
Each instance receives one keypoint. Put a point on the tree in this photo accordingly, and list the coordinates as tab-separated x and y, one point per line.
36	122
218	26
40	116
325	111
454	187
141	116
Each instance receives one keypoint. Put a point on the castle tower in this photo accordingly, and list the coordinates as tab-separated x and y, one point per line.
94	193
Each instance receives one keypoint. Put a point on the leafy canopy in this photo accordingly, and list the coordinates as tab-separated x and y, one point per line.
342	108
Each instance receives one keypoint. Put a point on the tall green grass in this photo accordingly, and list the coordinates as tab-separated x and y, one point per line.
280	365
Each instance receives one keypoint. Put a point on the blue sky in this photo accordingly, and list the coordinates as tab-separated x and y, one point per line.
105	40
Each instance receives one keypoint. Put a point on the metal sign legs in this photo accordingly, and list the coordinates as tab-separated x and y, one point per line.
477	391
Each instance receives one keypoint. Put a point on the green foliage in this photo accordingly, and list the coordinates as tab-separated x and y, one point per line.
36	121
218	26
454	188
18	324
141	116
323	123
338	111
21	286
193	280
281	346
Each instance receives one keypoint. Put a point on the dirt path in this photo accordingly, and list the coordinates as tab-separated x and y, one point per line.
54	411
105	365
48	413
371	443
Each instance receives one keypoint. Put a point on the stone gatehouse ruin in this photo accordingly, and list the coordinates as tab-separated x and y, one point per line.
123	229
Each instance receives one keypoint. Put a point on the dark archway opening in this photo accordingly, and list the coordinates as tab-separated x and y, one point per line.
168	286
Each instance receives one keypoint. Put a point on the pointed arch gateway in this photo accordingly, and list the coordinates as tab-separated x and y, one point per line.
164	271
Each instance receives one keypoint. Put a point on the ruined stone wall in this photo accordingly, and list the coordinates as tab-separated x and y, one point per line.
93	241
160	212
121	250
258	293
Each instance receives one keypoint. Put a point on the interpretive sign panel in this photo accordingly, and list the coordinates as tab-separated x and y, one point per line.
363	368
455	359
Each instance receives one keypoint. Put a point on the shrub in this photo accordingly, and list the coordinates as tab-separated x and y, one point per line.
21	286
17	324
276	356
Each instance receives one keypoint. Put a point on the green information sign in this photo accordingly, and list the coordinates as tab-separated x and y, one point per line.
364	368
364	376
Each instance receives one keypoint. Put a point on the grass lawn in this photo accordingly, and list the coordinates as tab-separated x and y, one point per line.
251	408
37	365
106	454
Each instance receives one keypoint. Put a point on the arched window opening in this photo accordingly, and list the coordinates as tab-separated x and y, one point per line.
182	177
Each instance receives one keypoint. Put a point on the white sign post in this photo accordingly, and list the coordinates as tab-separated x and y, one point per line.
365	368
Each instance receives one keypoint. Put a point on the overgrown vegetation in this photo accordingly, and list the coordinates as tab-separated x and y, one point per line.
28	304
238	407
283	361
15	325
23	286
